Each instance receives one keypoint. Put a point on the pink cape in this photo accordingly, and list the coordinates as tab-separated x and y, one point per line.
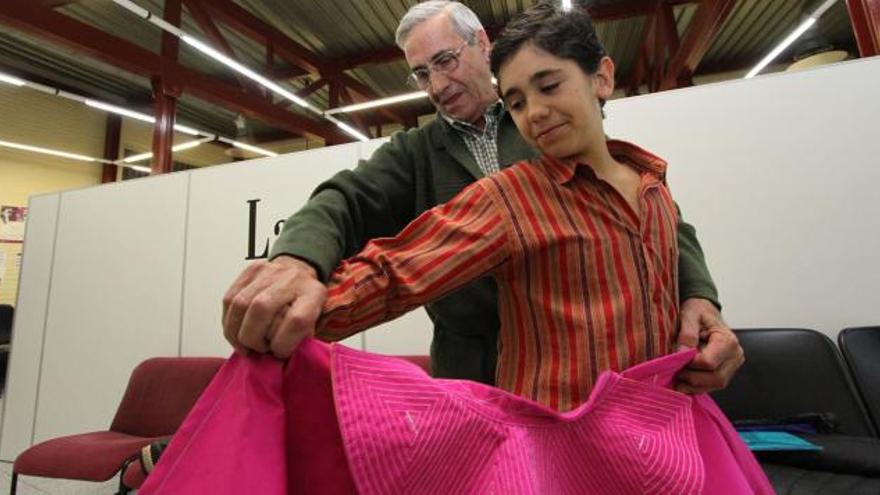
337	420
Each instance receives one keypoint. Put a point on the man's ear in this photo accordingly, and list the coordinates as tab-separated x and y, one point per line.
483	43
604	78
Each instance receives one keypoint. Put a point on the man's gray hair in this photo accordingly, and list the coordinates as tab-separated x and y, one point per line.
464	20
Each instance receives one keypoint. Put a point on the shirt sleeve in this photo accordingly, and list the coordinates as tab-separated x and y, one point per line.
440	251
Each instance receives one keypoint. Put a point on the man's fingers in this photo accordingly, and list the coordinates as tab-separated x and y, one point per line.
691	381
242	281
299	321
262	310
688	332
695	382
236	301
258	295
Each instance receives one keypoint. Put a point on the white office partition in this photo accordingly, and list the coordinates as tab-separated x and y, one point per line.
235	212
114	300
19	404
779	175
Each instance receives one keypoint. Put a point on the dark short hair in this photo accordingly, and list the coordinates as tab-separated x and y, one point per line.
568	35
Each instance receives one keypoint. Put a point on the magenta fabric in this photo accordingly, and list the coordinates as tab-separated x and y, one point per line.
260	427
233	439
264	428
407	433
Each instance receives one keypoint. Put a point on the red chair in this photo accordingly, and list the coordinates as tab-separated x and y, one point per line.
160	393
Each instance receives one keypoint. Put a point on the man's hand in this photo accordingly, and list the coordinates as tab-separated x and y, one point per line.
273	306
720	354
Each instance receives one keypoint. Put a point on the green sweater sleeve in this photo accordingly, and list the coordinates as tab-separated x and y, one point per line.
694	279
373	200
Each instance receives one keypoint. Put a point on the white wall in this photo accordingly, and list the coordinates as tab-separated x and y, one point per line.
778	174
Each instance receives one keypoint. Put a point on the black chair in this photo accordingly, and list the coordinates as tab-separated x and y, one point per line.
6	314
790	372
860	347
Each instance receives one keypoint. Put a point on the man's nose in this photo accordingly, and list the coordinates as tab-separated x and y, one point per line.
438	82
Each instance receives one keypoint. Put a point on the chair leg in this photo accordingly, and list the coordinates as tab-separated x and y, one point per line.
14	484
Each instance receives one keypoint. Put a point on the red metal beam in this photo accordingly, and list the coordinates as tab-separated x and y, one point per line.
865	18
165	96
643	66
383	55
358	119
163	129
83	38
56	3
206	24
112	132
701	33
295	54
311	88
248	24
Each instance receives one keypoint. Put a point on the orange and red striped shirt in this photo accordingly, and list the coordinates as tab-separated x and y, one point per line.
585	283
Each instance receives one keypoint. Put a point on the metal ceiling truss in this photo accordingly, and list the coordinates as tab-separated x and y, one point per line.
43	22
666	60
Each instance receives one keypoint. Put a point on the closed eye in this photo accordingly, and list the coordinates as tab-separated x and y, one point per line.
549	88
514	105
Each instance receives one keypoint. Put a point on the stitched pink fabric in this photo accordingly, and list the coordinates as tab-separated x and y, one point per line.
264	428
406	433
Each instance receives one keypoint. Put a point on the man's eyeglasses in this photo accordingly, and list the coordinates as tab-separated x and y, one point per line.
443	63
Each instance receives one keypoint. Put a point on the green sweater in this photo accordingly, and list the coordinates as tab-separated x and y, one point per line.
414	172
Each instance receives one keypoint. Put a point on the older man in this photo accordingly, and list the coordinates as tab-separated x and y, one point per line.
273	305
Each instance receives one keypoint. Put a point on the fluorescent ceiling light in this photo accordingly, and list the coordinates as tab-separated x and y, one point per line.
140	168
177	147
351	131
235	65
377	103
245	146
11	80
120	111
781	47
247	72
188	130
807	24
566	5
48	151
139	116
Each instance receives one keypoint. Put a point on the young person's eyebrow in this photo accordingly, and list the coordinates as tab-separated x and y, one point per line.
541	74
537	76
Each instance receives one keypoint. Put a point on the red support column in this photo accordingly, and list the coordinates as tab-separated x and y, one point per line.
163	129
111	147
166	97
865	17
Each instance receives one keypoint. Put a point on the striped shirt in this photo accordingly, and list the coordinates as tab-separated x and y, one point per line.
585	283
482	143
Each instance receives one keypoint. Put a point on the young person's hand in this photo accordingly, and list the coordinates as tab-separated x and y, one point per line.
272	306
720	354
